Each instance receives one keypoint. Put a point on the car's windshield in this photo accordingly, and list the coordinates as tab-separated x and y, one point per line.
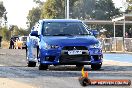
64	29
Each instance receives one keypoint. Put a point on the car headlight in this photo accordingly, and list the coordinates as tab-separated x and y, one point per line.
98	45
47	46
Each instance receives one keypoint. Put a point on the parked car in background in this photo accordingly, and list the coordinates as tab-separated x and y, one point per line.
20	42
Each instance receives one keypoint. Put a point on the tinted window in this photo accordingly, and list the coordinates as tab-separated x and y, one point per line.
65	28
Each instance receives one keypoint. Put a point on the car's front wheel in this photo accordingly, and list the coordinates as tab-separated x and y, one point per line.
96	66
43	67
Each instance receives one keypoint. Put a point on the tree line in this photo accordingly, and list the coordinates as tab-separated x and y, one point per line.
13	30
79	9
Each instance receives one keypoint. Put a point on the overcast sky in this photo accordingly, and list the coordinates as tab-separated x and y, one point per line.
18	10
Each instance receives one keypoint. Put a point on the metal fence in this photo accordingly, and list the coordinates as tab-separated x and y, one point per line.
116	44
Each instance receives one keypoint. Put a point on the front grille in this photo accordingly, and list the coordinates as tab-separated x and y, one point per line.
75	58
74	47
66	58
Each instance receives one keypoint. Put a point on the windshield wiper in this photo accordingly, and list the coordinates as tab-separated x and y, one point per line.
62	35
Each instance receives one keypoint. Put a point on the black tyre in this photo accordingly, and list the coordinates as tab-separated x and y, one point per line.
96	66
43	67
31	64
38	54
26	51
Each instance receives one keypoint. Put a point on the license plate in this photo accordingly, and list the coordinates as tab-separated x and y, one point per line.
74	52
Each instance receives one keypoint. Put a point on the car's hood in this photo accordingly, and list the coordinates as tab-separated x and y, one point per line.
70	40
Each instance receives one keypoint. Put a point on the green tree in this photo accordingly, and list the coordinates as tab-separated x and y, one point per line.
22	32
49	9
94	9
33	16
129	8
83	9
55	8
3	12
2	9
15	31
105	9
5	33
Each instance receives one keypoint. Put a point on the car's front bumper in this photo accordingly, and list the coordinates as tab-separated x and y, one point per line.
58	56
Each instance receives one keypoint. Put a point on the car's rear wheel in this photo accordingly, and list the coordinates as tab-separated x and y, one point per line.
31	64
26	51
38	53
96	66
43	67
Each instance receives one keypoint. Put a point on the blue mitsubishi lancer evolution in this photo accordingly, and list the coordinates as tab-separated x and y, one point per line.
63	42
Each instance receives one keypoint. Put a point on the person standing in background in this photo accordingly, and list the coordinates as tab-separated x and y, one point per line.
11	44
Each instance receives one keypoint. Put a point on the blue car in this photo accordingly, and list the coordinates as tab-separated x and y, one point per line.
63	42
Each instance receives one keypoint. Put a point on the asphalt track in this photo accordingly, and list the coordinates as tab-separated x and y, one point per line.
13	69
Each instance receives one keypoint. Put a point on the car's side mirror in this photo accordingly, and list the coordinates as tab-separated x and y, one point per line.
34	33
